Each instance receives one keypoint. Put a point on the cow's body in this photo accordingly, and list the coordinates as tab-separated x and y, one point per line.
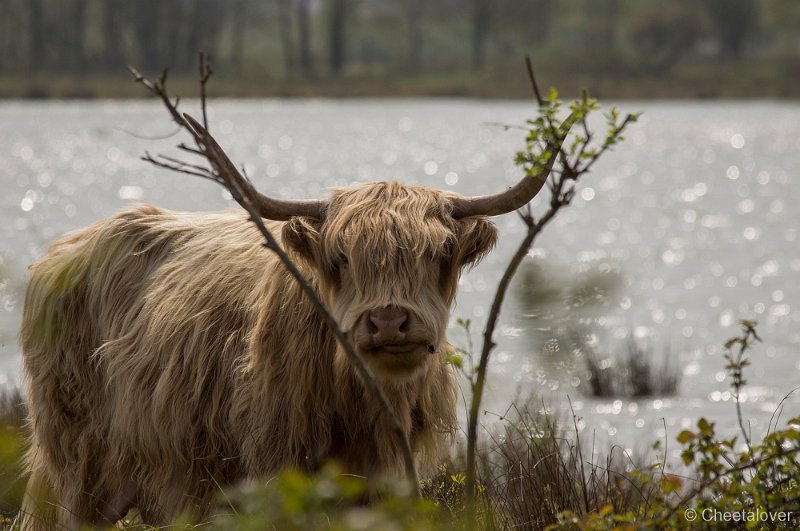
170	353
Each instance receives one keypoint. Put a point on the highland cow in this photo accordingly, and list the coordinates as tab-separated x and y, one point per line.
168	354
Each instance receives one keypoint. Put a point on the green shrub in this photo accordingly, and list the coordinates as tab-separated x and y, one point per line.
328	500
755	488
12	477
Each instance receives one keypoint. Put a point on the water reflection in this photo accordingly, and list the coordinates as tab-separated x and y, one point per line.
680	232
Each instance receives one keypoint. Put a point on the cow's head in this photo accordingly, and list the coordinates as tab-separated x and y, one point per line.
387	258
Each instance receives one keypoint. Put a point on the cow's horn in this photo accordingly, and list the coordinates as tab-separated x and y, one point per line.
283	209
518	195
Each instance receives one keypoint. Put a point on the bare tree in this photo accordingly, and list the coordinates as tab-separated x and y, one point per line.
414	9
337	20
171	37
77	48
205	23
481	13
540	21
147	22
112	14
285	32
735	22
238	31
36	42
9	39
304	37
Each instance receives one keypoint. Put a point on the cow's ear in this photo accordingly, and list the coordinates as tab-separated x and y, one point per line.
477	237
301	238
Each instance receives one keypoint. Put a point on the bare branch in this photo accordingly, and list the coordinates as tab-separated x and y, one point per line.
159	89
606	146
561	185
190	149
205	74
532	78
178	167
185	164
224	171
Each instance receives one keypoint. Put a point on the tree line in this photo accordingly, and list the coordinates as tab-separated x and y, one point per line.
284	39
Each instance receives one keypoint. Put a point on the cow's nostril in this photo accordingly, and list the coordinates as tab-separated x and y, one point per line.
390	323
371	326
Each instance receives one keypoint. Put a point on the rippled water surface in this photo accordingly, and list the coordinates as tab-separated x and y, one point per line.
691	224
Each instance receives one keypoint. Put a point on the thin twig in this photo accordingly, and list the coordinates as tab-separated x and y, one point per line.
144	137
736	367
181	168
609	470
184	164
704	485
778	410
205	75
561	195
488	345
190	149
532	78
582	469
505	126
224	172
606	146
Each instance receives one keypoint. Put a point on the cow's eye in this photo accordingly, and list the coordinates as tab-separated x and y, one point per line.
344	260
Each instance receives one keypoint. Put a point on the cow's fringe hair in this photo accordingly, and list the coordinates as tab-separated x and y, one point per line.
170	353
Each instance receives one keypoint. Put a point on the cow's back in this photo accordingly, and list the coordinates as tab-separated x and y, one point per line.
132	332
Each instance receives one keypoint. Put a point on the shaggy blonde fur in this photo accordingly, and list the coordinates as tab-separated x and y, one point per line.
170	353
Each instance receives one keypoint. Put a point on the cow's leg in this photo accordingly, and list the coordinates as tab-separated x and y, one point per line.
74	508
39	510
43	509
118	505
47	506
93	494
159	502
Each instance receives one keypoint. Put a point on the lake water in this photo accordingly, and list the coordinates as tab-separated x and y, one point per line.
688	226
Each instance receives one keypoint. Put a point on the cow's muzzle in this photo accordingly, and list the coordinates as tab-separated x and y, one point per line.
387	326
393	333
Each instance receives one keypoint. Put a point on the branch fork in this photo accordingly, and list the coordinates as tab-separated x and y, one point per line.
224	172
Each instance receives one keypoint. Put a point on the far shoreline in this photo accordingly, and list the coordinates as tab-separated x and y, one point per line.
457	85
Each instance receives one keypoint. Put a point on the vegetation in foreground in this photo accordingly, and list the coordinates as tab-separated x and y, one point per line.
12	435
534	473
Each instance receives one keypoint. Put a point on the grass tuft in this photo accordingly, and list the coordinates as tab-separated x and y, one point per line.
633	371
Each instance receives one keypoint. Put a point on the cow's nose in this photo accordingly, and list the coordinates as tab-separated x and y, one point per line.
388	324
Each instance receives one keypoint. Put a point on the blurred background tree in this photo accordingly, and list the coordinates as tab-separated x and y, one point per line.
449	47
734	23
663	33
